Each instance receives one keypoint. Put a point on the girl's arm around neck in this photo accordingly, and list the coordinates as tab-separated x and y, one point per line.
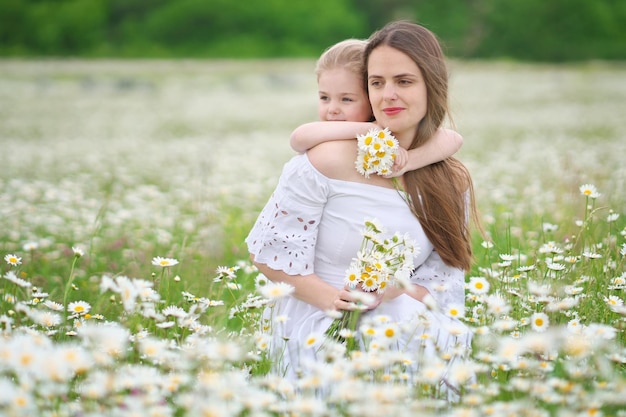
308	135
443	144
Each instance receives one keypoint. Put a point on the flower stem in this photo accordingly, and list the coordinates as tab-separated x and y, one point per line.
70	281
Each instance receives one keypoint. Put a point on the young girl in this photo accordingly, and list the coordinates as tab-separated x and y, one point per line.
342	98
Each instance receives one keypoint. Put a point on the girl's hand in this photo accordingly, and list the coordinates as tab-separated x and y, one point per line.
400	163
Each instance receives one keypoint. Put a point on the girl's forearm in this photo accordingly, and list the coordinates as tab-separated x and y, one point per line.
442	145
308	135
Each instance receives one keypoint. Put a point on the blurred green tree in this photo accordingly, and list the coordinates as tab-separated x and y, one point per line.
555	30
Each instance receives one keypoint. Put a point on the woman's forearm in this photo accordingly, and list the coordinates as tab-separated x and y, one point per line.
308	288
415	291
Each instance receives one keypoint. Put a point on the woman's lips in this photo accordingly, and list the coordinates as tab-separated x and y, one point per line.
391	111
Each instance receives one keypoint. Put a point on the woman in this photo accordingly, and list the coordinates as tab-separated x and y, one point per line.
310	230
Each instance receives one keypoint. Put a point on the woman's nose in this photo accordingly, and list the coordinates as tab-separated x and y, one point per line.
390	92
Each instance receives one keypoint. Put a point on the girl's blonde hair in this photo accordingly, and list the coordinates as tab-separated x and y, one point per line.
347	54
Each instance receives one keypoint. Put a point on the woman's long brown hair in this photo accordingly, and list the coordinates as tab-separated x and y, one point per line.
441	193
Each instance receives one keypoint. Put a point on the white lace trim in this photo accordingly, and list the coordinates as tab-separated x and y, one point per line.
446	284
285	233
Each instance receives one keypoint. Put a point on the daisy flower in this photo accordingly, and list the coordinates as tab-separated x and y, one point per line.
13	260
229	272
597	331
455	311
497	305
276	290
30	246
262	341
539	322
352	276
526	268
79	307
47	319
389	330
613	300
52	305
591	255
313	340
554	266
211	303
549	227
589	190
11	276
508	257
376	152
478	285
260	280
346	333
233	286
78	252
550	247
164	262
174	311
612	217
619	281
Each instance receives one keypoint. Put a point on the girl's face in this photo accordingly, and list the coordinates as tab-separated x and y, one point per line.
397	92
342	97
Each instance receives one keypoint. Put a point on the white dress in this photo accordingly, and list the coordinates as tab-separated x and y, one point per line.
313	224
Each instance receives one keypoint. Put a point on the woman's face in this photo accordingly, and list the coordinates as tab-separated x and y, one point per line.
342	97
397	92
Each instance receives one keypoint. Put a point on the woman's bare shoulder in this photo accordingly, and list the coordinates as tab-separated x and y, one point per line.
335	159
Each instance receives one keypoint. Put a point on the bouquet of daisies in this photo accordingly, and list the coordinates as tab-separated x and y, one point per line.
381	261
376	152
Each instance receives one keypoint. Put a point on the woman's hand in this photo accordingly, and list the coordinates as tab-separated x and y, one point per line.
357	299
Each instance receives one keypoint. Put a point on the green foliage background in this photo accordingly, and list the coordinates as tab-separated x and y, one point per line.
535	30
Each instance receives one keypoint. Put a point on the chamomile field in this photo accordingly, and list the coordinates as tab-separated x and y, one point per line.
128	187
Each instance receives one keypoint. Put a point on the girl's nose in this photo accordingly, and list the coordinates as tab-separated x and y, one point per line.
333	109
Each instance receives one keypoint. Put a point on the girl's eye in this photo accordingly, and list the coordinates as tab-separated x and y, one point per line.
323	98
347	99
